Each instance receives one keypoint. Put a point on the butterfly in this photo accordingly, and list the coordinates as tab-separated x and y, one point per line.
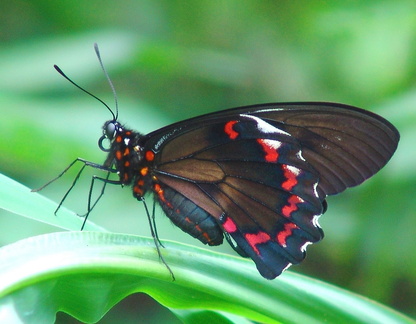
257	176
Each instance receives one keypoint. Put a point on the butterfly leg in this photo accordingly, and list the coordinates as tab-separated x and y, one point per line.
85	164
154	223
90	206
155	237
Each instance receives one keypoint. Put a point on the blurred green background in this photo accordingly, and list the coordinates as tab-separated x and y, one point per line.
170	60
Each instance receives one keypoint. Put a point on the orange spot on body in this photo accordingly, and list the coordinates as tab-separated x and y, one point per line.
161	194
126	177
118	155
292	206
228	129
204	234
127	164
282	236
149	156
207	237
118	139
187	219
126	151
144	171
256	239
138	190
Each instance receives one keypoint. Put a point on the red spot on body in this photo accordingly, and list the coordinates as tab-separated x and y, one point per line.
229	225
207	237
127	164
138	188
290	175
118	139
149	156
128	133
161	194
270	147
282	236
228	129
255	239
292	206
138	191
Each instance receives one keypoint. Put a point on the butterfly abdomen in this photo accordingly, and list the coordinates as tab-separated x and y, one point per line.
188	216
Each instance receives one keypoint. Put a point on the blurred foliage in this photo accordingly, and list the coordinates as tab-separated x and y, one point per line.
170	60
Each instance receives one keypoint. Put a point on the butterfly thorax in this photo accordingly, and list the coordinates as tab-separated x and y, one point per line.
126	154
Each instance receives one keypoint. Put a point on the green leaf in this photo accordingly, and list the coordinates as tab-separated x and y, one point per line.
86	273
37	207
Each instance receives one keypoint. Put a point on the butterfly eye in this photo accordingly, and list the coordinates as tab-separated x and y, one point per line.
110	130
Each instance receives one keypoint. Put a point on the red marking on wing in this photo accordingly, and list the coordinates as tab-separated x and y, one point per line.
118	155
270	147
229	225
127	163
255	239
292	206
149	156
228	129
126	151
290	175
282	236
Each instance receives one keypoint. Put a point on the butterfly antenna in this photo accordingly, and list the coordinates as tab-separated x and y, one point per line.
82	89
97	51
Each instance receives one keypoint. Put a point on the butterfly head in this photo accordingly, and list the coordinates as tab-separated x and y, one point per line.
110	129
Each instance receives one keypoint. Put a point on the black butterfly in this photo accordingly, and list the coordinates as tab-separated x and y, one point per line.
258	175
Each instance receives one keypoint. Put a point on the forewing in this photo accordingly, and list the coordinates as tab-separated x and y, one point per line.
344	144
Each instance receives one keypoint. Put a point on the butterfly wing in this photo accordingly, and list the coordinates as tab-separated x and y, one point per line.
261	173
346	145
